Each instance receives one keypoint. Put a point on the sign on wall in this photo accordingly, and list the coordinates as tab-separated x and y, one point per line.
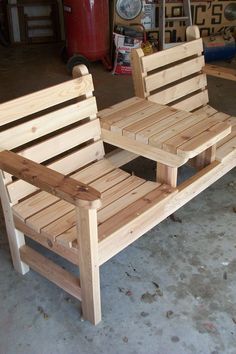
211	17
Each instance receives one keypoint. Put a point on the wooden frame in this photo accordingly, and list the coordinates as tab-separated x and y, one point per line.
72	199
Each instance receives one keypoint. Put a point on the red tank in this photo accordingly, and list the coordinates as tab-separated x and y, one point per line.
87	31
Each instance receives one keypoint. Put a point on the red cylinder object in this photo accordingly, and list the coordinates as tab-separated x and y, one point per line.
87	28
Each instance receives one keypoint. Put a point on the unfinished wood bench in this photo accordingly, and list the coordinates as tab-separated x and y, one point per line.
59	190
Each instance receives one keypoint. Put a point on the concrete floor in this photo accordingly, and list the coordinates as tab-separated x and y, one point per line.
171	292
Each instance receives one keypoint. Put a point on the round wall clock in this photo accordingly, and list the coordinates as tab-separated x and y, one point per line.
128	9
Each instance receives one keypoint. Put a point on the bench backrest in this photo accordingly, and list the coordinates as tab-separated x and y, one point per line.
173	76
57	127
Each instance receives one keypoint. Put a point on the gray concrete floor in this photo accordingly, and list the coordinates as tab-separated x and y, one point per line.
171	292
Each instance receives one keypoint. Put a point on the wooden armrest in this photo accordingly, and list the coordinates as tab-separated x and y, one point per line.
148	151
220	71
66	188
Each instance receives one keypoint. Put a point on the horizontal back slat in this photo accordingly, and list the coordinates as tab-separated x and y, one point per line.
66	165
176	72
171	55
189	104
43	99
38	127
180	90
63	142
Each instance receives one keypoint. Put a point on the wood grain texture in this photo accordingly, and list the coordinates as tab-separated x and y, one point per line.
43	99
50	181
51	271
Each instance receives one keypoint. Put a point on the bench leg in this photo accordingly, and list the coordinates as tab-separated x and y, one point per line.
166	174
88	264
205	158
15	237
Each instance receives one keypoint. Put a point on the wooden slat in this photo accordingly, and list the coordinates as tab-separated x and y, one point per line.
49	214
118	106
226	149
180	90
62	142
120	189
94	171
133	210
176	72
227	138
51	271
108	121
220	71
164	125
189	104
208	110
130	232
186	135
135	118
43	99
159	138
65	165
204	140
58	227
119	157
34	204
171	55
161	116
109	180
70	254
126	200
68	237
137	72
144	150
26	132
64	231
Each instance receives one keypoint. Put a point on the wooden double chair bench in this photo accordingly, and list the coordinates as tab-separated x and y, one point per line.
60	190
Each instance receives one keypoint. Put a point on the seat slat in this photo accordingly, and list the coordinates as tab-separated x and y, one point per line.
139	116
187	134
43	99
167	123
108	121
58	227
120	189
38	127
179	90
94	171
171	55
59	230
159	138
204	140
133	129
133	210
174	73
125	200
109	180
34	204
68	237
49	214
118	106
